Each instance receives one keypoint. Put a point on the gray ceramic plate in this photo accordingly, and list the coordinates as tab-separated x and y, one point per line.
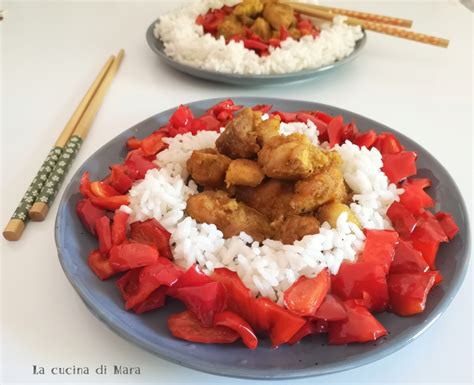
157	46
311	356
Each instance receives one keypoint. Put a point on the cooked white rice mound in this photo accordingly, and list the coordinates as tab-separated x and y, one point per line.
269	268
186	43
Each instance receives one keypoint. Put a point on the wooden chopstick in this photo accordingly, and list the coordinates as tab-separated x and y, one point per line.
40	208
309	10
19	219
382	19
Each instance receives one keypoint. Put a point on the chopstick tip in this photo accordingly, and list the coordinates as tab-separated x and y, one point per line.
38	211
13	230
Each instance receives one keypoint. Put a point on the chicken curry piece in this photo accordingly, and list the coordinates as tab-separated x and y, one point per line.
264	18
266	184
229	216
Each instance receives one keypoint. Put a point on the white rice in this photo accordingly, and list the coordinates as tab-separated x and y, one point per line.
269	268
186	42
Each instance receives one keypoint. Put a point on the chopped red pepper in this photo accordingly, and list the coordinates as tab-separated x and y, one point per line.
399	166
387	143
284	34
239	297
362	281
138	284
332	309
100	264
119	227
402	219
306	295
237	323
263	108
103	190
154	301
188	327
349	132
204	301
365	139
119	179
133	143
408	292
414	197
326	118
102	228
407	260
254	44
88	214
137	164
380	247
153	143
310	327
85	185
335	130
286	117
193	277
448	224
110	203
152	233
278	322
360	326
131	255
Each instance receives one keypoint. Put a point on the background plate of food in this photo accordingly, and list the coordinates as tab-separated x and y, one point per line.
251	43
264	238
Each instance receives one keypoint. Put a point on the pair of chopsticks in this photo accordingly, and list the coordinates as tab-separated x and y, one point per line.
40	194
369	21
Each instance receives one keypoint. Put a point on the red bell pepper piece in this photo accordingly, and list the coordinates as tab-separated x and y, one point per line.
310	327
204	301
103	190
284	34
448	224
278	322
438	278
102	228
119	227
205	123
306	295
362	281
286	117
408	292
427	236
100	264
365	139
188	327
237	323
133	143
414	197
402	219
326	118
131	255
88	214
399	166
239	297
85	185
254	44
119	179
153	143
154	301
332	309
380	247
387	143
110	203
335	131
274	42
137	165
407	260
360	326
193	277
137	285
349	132
263	108
226	105
152	233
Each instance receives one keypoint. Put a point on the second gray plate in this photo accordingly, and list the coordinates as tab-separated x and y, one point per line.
158	47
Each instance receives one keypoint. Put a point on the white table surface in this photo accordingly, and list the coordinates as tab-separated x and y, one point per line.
50	53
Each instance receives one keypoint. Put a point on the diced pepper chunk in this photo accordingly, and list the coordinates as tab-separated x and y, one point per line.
407	260
152	233
380	247
102	228
237	323
132	255
88	214
448	224
100	264
399	166
119	227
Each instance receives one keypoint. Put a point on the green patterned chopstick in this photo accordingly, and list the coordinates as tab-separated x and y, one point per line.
46	196
19	219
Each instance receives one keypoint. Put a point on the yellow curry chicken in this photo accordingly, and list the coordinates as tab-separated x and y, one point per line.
266	184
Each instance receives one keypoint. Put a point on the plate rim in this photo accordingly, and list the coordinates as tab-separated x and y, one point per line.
366	358
227	77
